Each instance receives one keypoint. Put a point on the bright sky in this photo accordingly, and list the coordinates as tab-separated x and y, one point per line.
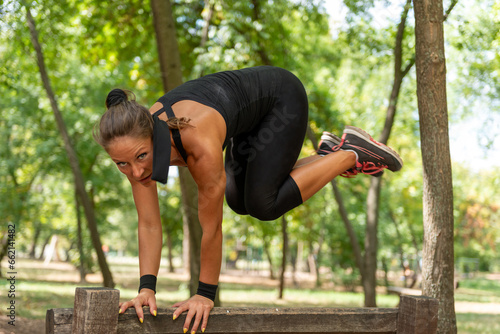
469	140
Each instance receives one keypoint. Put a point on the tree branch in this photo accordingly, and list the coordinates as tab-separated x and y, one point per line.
448	11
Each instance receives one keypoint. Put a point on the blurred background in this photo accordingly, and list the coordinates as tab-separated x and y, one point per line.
344	52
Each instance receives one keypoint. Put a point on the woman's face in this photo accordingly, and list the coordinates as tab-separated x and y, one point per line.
134	157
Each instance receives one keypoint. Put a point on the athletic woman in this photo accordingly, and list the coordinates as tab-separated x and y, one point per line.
259	116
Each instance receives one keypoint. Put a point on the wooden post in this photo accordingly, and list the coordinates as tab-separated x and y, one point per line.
95	311
417	315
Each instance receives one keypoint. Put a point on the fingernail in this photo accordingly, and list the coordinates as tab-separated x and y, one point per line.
185	330
203	330
154	313
193	332
175	317
140	319
120	311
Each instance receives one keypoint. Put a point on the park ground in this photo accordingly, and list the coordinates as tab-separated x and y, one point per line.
41	286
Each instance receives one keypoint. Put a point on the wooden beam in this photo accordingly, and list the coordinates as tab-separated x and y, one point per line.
253	320
59	321
418	315
96	311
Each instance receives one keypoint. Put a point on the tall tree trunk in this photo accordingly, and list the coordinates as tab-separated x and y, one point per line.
81	262
284	232
319	253
269	257
417	261
371	242
170	66
73	158
399	241
4	245
373	199
438	262
38	229
170	251
356	249
311	261
45	243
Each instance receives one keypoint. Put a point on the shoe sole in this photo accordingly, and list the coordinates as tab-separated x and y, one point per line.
331	137
366	137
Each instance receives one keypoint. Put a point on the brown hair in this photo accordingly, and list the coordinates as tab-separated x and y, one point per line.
125	117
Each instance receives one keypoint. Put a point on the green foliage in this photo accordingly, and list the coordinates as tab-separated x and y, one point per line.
91	47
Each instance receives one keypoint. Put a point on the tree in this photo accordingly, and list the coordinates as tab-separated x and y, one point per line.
170	66
73	158
438	252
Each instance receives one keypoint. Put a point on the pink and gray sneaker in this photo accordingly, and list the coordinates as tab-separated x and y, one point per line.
329	143
372	157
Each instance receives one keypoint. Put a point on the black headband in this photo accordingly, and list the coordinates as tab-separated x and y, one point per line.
161	149
162	143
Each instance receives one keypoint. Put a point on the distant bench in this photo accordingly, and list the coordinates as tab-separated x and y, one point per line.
404	291
96	311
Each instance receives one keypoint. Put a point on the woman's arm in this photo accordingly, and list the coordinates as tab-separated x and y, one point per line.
150	243
207	169
149	228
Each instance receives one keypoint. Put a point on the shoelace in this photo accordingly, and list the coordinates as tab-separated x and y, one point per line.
369	167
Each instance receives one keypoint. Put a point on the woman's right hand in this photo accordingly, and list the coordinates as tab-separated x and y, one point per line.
146	297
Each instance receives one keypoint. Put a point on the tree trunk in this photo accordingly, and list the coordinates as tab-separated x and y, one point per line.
311	262
438	264
356	249
373	198
284	224
81	264
371	242
170	66
269	258
45	243
4	245
73	158
38	229
399	245
170	250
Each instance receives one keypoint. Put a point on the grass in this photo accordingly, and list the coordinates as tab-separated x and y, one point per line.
36	292
479	290
474	323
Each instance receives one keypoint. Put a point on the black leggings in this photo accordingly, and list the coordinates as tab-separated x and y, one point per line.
258	163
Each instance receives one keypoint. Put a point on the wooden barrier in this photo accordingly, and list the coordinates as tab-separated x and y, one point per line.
96	311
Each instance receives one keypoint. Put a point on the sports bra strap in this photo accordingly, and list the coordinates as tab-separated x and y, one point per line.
175	132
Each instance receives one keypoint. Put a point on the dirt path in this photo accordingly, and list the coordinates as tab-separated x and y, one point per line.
22	326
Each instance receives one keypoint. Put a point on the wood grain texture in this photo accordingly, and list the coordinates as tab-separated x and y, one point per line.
253	320
417	315
95	311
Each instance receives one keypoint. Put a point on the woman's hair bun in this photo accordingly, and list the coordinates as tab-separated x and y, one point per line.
115	97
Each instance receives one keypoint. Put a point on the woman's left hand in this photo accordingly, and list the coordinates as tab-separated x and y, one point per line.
199	308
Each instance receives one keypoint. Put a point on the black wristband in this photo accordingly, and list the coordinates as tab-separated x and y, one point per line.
148	282
207	290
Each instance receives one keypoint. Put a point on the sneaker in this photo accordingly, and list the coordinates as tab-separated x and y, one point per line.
372	156
329	143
